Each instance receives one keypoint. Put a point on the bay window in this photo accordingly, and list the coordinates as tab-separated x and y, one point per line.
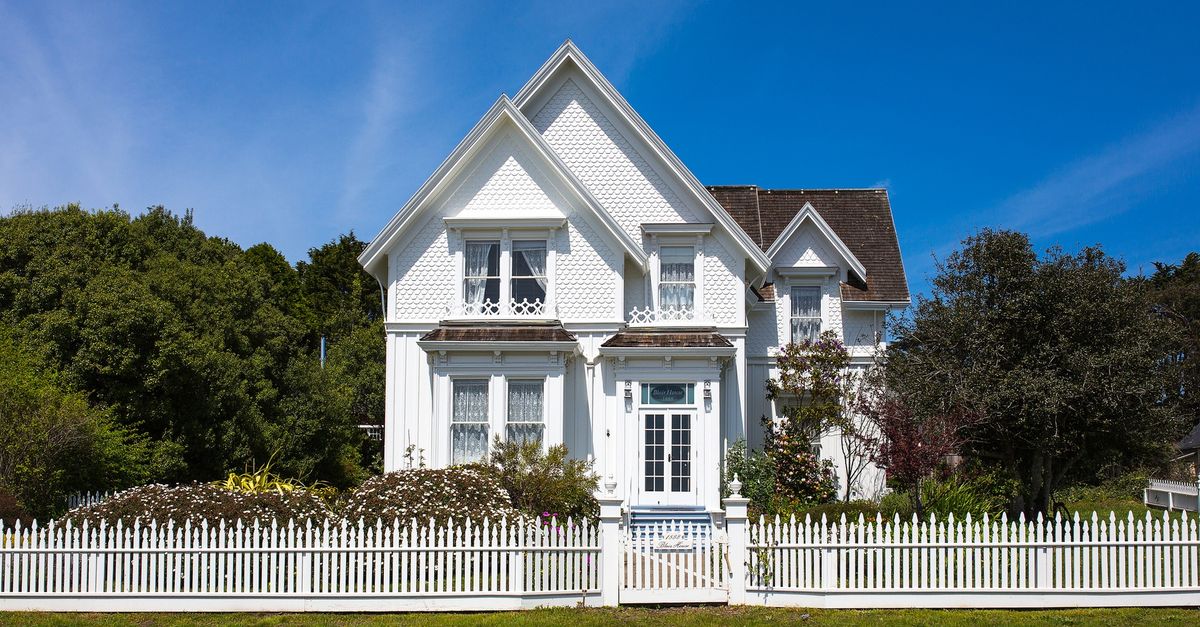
806	312
677	278
526	411
469	421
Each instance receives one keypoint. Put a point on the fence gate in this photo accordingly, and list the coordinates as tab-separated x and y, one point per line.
674	561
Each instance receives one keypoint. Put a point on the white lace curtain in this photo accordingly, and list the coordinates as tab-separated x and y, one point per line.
806	313
526	412
478	258
469	421
677	277
529	269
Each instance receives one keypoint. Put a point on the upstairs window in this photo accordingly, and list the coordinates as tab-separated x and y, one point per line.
469	421
481	277
677	278
806	313
528	270
526	411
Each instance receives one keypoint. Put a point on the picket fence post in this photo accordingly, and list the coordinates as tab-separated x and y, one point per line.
736	508
610	544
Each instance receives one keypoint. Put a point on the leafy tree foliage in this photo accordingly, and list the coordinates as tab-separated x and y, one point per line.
1061	360
1175	289
52	442
208	351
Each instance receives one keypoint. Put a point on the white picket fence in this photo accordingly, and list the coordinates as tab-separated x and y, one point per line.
975	563
324	567
1171	495
84	499
339	566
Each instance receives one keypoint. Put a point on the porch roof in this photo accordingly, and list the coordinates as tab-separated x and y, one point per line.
667	338
499	332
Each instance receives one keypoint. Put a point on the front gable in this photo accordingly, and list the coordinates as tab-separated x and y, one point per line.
618	156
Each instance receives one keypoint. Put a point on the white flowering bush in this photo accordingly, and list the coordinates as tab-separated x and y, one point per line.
423	493
196	502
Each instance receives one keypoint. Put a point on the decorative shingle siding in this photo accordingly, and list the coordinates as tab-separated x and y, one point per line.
607	162
632	189
508	181
423	286
506	178
586	276
723	297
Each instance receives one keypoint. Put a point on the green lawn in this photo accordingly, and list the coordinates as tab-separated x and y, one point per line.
716	615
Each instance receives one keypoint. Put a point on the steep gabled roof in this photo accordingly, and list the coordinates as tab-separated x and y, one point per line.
569	53
808	214
503	110
861	218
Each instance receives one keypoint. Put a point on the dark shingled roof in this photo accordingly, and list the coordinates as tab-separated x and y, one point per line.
706	338
499	333
861	217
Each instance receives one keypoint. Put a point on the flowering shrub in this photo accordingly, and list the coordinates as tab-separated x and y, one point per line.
813	385
425	493
200	501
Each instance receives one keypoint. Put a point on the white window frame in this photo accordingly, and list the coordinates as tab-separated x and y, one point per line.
653	286
512	278
820	317
508	381
499	277
460	235
487	447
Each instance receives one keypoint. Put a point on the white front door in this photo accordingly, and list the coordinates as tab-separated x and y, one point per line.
667	457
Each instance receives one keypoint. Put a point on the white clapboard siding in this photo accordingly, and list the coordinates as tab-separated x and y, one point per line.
461	564
905	561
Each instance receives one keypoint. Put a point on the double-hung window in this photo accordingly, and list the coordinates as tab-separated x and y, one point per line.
481	276
469	421
526	411
677	278
528	268
806	312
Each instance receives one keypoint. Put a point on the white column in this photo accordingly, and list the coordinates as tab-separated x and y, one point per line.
736	518
610	544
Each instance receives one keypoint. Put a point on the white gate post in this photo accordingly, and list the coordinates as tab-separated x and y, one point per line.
735	527
610	544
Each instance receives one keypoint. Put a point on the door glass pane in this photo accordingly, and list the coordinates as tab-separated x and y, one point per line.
655	455
681	452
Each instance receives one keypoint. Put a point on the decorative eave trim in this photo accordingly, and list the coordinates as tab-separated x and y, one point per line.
503	108
796	272
875	304
488	347
569	52
677	228
459	223
807	212
658	351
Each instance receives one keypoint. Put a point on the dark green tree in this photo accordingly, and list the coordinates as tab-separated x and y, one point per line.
1059	360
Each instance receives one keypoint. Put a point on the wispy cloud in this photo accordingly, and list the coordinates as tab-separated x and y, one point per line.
1103	184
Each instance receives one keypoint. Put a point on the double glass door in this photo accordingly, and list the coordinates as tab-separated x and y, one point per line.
667	459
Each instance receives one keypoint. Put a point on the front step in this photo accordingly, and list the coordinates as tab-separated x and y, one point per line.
684	526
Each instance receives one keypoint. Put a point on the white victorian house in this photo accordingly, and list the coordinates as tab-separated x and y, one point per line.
563	277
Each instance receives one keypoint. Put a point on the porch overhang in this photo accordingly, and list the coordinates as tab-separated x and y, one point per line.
530	338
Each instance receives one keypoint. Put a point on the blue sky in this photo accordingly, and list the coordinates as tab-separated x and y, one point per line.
293	122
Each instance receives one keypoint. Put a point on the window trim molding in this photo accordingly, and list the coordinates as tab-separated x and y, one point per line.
458	238
657	242
821	306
